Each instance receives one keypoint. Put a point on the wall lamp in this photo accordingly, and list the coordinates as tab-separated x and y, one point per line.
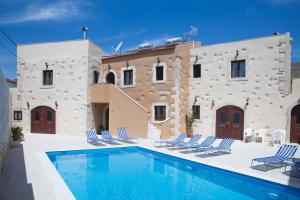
196	58
109	67
28	105
47	65
195	100
212	104
236	54
56	104
246	104
127	64
158	60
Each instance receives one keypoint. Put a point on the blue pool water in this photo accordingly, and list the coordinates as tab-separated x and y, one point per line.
138	173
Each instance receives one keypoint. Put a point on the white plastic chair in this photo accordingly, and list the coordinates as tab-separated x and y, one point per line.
248	133
278	137
260	134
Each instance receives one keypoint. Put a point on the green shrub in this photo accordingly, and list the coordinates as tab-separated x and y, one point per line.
17	133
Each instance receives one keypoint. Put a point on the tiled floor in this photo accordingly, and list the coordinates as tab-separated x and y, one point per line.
28	174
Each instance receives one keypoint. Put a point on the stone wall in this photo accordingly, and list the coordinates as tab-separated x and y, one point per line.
267	84
5	119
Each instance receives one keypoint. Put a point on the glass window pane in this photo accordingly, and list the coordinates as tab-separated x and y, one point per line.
223	117
236	118
160	113
298	117
197	70
242	69
36	116
128	77
196	112
159	73
49	116
48	77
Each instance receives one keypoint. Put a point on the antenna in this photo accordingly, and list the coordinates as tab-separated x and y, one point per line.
192	32
118	48
85	30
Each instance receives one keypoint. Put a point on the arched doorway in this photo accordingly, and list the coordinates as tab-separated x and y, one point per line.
230	122
110	78
43	120
295	124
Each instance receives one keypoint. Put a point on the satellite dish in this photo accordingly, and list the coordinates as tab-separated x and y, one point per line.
192	32
118	48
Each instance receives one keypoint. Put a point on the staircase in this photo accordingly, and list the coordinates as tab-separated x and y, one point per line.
153	132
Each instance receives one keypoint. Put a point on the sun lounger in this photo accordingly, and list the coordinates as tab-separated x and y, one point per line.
107	137
177	141
123	136
185	145
224	146
92	137
285	153
205	144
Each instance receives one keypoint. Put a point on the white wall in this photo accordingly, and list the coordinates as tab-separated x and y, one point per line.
71	72
267	83
5	120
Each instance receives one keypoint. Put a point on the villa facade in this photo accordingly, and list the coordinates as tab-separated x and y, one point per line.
69	87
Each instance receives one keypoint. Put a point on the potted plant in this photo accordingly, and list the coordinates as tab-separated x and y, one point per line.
17	133
189	120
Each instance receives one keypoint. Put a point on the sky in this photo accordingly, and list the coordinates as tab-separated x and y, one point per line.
139	21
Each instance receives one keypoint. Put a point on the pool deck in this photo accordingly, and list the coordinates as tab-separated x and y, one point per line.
28	173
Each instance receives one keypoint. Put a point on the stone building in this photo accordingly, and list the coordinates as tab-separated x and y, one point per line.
68	88
245	84
52	93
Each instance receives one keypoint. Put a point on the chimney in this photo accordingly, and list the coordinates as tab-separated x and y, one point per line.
85	30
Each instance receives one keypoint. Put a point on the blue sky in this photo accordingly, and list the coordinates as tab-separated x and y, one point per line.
138	21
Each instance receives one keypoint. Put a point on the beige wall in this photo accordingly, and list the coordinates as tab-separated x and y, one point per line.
173	92
123	111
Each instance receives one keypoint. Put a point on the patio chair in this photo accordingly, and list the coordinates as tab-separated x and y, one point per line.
176	141
185	145
224	146
205	144
285	153
123	136
278	137
260	134
92	137
248	134
107	137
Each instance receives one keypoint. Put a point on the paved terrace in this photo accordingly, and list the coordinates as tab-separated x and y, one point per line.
29	174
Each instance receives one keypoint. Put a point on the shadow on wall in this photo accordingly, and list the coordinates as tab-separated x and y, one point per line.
13	179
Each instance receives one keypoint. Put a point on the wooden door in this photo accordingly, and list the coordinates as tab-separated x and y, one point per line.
230	122
295	124
43	120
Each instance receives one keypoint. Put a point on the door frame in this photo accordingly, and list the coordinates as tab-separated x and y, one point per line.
215	115
290	120
54	117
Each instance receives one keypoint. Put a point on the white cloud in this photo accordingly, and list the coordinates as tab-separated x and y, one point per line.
57	11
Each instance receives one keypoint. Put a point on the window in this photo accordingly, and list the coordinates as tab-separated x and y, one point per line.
160	113
238	68
196	112
49	116
17	115
197	70
48	77
223	117
36	116
159	73
236	118
96	77
128	77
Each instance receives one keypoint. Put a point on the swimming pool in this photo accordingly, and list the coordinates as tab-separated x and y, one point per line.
139	173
